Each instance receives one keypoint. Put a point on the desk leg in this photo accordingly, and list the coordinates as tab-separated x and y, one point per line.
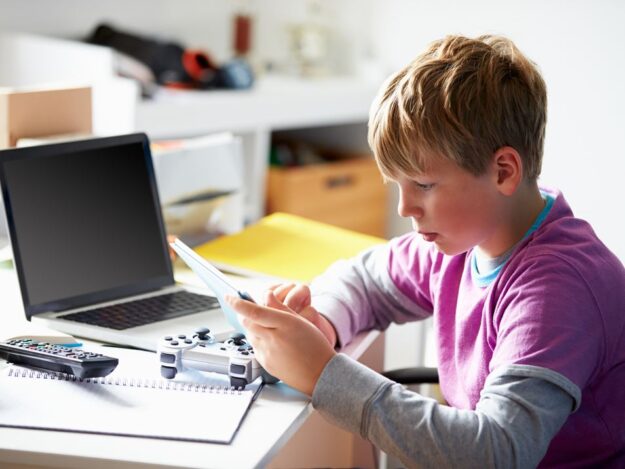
318	443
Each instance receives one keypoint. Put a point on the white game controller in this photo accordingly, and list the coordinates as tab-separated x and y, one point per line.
200	351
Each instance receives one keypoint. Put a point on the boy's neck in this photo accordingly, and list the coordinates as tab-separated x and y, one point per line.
519	214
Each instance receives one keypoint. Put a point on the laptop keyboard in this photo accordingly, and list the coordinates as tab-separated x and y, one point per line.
145	311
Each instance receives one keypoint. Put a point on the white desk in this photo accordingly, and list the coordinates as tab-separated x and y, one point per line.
280	414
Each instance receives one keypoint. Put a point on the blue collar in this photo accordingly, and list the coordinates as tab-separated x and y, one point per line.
485	279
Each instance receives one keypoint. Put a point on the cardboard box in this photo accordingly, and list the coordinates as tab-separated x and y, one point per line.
42	112
348	193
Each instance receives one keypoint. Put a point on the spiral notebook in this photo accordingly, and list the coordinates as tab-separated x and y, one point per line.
118	405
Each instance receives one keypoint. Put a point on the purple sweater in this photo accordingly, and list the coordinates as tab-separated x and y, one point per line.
557	305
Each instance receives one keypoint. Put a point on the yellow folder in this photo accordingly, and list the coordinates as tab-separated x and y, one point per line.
285	246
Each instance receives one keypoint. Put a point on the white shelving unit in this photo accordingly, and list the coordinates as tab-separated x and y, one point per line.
275	103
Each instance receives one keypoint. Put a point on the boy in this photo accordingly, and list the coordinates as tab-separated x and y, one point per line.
528	305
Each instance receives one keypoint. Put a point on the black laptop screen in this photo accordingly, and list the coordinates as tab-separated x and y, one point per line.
85	221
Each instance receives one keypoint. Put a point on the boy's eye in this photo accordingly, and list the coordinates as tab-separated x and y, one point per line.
424	187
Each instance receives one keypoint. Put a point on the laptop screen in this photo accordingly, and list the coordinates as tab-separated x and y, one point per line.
85	221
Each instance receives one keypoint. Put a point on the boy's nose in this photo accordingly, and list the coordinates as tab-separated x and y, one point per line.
407	207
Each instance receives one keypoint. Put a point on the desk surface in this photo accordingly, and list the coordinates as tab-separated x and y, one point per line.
274	417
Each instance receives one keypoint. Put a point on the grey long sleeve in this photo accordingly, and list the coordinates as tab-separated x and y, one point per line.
520	410
358	295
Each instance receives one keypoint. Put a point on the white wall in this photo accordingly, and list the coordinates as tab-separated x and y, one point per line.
580	48
205	24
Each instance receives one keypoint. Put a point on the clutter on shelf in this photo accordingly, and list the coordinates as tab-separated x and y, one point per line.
168	63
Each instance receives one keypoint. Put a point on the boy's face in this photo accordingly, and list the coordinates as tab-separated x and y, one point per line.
452	208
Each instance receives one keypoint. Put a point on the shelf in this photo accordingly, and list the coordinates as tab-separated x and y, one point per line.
275	103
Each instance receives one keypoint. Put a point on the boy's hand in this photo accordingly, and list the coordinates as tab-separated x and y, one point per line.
297	298
172	253
288	346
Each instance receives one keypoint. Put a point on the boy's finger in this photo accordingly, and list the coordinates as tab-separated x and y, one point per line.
298	297
263	316
271	301
281	291
255	332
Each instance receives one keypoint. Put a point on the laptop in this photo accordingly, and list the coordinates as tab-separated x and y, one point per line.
89	244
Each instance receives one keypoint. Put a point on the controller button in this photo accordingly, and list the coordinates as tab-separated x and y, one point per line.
202	344
168	358
222	348
182	336
240	349
237	369
167	372
174	342
169	338
245	353
188	341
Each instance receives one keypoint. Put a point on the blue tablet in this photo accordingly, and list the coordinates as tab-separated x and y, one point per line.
213	279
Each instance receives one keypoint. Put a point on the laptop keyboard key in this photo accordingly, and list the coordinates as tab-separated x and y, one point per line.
145	311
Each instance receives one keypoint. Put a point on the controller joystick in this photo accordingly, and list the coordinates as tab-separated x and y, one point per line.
203	333
234	357
238	339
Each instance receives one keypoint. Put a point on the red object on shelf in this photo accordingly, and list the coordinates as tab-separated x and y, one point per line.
242	34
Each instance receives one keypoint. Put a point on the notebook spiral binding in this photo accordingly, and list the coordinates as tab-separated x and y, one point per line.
130	382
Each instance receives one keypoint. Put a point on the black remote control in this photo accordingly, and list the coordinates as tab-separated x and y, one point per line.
52	357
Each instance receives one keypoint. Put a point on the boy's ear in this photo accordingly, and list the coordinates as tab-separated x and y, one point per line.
507	169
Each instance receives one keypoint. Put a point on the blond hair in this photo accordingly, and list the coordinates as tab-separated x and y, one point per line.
461	99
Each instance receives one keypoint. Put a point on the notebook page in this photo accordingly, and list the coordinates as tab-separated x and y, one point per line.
122	405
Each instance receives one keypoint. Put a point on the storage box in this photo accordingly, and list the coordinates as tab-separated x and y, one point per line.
349	193
34	113
200	185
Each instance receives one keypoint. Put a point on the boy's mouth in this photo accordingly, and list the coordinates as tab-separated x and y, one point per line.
429	236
